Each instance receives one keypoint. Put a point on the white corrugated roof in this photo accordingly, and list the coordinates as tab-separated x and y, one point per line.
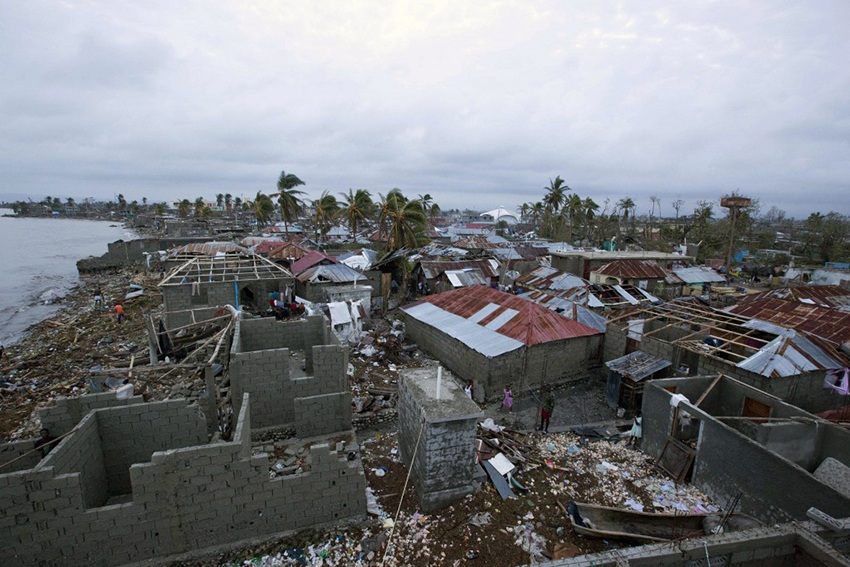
480	339
698	274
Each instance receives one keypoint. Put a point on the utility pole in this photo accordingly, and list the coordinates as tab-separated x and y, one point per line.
734	203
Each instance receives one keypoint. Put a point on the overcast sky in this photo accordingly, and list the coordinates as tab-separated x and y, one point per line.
477	103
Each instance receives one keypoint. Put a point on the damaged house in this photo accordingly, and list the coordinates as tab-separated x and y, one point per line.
130	481
203	284
495	339
792	365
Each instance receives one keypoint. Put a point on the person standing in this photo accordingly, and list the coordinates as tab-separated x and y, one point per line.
119	312
468	389
98	299
547	407
508	401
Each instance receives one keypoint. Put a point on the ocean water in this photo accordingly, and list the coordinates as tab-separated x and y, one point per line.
38	265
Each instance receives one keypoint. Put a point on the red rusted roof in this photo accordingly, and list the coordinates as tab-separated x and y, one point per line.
824	295
287	251
824	322
633	269
267	245
309	260
530	323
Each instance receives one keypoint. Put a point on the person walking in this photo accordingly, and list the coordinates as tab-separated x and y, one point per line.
119	312
546	408
508	401
468	389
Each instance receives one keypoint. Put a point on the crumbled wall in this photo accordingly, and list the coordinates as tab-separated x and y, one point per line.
728	462
260	364
182	499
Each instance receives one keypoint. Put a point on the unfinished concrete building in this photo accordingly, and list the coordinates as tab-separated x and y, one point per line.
731	440
296	371
203	284
495	339
699	340
129	480
436	433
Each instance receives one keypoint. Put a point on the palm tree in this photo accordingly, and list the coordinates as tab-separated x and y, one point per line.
122	202
70	202
219	200
228	201
626	205
573	206
538	209
237	203
589	208
325	210
555	194
183	208
358	206
200	205
291	205
402	221
263	208
159	208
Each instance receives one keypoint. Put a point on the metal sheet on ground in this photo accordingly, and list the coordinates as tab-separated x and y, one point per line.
499	482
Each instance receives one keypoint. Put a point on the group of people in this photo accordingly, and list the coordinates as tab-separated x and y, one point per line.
283	305
119	309
546	400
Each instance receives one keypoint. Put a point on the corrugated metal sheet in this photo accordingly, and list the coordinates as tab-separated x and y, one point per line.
697	275
209	249
309	260
530	324
486	341
788	355
629	297
823	295
632	269
637	365
827	323
567	308
288	251
336	273
546	277
433	268
466	277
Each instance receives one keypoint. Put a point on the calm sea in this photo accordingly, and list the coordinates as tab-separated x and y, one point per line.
38	263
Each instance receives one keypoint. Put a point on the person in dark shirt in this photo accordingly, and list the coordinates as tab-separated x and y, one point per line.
45	442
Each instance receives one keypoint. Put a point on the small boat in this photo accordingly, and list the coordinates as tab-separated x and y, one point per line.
642	527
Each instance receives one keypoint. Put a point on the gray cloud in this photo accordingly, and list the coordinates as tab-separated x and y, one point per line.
477	103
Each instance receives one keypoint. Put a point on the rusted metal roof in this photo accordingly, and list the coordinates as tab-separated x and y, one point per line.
209	249
567	308
433	268
311	259
824	322
287	251
633	269
823	295
508	315
546	277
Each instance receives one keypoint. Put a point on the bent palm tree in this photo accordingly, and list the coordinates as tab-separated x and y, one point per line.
402	221
326	209
263	208
289	198
358	206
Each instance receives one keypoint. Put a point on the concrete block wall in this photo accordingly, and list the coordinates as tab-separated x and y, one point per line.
549	363
265	374
805	391
322	414
773	488
81	454
436	438
615	343
183	499
16	452
131	435
267	333
65	413
214	294
787	545
279	396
